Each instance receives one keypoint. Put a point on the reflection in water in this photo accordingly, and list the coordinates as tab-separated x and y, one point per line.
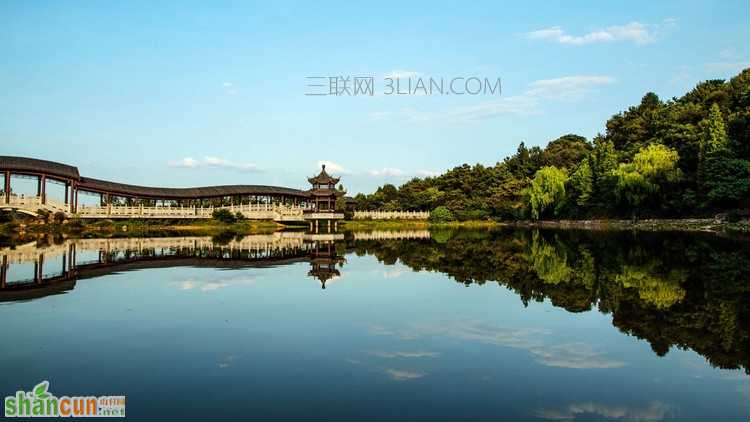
57	267
654	412
670	289
688	291
675	290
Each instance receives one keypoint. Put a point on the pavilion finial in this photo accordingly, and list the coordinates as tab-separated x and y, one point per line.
324	167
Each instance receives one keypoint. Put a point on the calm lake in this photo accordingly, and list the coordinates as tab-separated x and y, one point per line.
442	325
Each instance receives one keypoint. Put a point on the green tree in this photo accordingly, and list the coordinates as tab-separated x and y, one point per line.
652	167
441	214
581	182
224	215
547	188
713	141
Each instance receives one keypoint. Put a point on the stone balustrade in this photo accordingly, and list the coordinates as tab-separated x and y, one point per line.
391	215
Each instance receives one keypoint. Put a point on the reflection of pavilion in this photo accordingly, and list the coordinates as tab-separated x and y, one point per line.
323	259
28	271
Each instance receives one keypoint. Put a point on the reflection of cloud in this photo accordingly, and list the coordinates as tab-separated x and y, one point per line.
401	375
655	411
574	355
391	273
744	391
215	284
403	354
226	361
567	355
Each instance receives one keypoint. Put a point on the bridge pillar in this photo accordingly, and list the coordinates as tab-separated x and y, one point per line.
40	276
7	187
43	182
4	272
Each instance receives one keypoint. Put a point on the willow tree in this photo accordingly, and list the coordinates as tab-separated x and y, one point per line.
652	167
547	188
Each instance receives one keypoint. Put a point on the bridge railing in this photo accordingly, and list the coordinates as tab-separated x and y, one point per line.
34	203
250	211
25	201
391	215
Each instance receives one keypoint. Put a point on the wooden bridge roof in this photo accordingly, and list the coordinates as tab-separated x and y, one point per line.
33	165
96	185
51	168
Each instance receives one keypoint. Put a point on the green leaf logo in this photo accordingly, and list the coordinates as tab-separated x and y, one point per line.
40	390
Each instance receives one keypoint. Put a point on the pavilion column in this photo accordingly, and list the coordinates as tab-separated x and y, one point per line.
67	188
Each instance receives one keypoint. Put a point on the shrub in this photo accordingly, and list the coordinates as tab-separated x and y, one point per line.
224	215
44	214
733	216
441	214
239	216
59	217
472	215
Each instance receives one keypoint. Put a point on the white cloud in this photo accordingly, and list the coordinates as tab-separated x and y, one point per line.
387	172
402	74
563	89
331	167
727	66
187	162
567	88
634	32
213	162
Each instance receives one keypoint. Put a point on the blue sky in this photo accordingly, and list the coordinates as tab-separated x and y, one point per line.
191	93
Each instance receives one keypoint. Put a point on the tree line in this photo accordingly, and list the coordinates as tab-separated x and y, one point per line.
687	156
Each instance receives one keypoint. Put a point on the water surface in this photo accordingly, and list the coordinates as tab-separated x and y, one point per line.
450	325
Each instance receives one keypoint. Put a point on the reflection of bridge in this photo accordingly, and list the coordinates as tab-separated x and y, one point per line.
118	200
28	270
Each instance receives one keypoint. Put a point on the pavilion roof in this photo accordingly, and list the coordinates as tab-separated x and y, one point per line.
323	178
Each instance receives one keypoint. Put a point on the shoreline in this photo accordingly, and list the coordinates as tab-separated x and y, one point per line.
136	228
708	225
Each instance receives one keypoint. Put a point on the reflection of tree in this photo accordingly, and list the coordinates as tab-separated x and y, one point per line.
681	290
659	291
550	265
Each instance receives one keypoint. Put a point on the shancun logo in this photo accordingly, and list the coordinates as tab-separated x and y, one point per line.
39	402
